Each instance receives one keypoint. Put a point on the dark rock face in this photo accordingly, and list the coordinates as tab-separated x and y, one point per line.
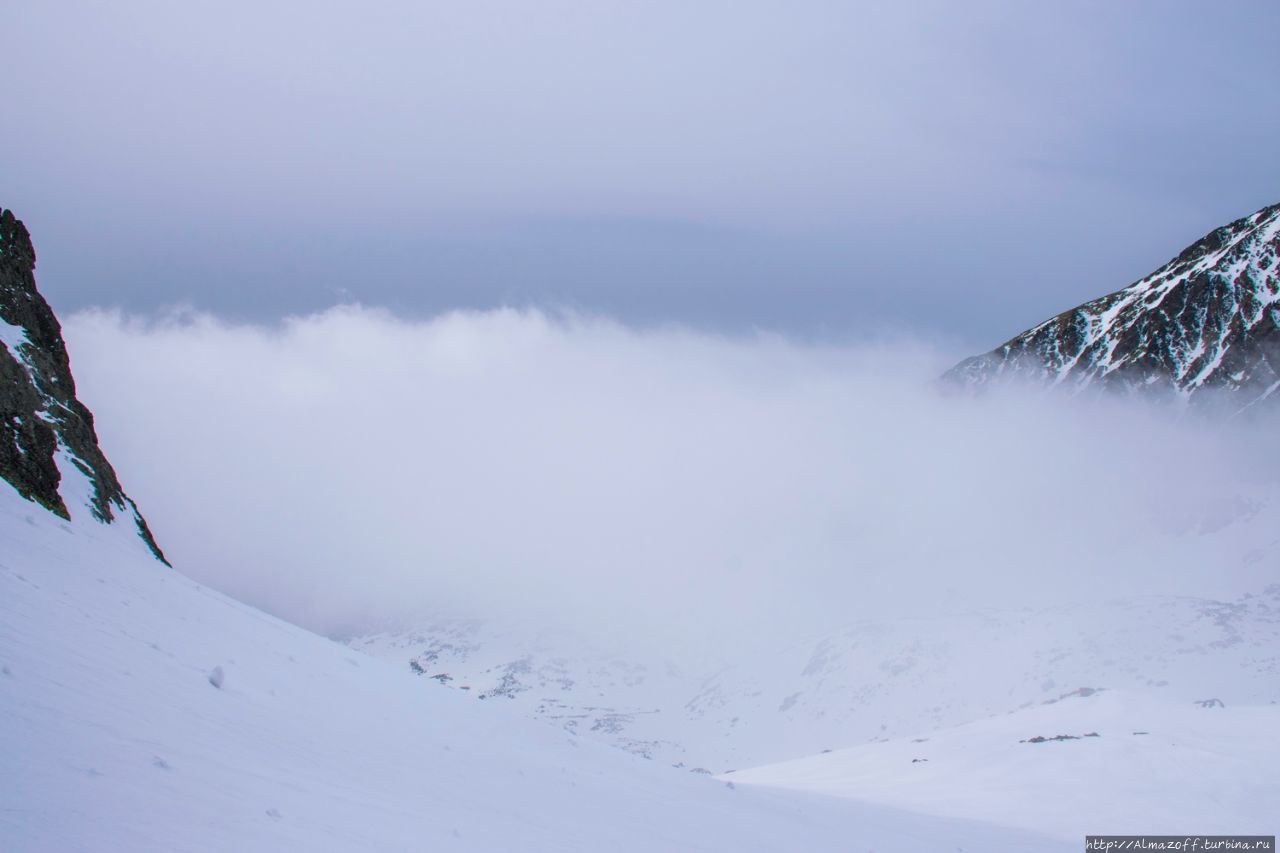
41	421
1202	329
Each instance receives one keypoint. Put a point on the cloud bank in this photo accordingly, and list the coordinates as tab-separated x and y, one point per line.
349	469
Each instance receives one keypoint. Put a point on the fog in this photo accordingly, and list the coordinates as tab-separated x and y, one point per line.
349	470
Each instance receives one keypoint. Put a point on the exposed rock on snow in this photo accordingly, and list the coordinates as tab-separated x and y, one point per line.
46	434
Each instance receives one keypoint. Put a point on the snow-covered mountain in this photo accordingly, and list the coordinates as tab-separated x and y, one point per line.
1203	328
48	447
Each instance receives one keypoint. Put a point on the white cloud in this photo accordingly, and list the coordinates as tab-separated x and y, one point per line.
350	467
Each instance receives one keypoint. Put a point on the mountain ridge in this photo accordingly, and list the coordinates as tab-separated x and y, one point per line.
44	427
1204	328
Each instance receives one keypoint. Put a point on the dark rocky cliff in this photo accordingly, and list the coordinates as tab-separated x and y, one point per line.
1204	328
41	421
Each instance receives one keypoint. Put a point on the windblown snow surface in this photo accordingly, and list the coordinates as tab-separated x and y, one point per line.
140	711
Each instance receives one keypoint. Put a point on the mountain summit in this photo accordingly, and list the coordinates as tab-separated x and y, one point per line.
1205	326
46	435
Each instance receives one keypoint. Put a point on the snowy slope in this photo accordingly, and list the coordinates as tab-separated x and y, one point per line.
1205	326
888	678
139	711
565	677
767	694
873	679
1128	763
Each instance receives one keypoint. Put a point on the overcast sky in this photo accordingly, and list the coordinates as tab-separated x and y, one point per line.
956	170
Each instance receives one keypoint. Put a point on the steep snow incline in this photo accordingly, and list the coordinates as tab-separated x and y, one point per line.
141	712
1206	321
1126	763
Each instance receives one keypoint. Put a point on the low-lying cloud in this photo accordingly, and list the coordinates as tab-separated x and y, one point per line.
349	469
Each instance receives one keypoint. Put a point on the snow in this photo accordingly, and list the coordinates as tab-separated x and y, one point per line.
868	680
142	711
12	337
77	490
114	737
1134	764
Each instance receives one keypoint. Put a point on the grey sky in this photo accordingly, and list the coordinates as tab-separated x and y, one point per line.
956	169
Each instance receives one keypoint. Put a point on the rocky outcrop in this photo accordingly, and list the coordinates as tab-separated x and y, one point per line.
43	427
1202	329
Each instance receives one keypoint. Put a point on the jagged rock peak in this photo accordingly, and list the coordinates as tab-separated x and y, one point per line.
43	427
1204	328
